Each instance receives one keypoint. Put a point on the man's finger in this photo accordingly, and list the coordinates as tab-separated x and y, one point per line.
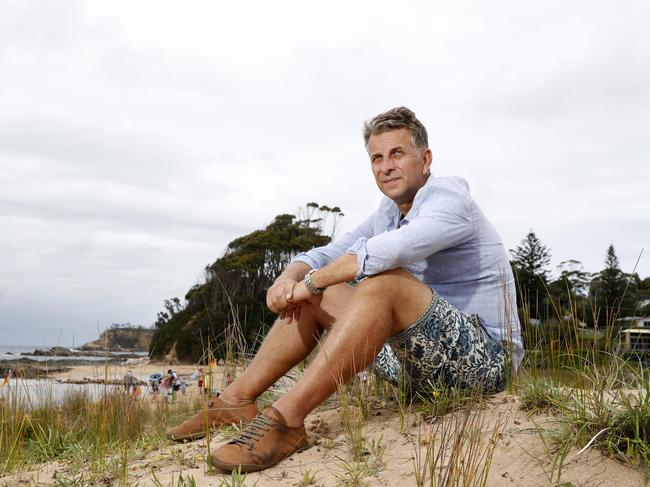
289	293
280	302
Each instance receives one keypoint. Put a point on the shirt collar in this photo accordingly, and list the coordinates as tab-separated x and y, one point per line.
393	213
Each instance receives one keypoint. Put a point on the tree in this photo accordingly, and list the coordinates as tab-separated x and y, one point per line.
570	289
610	283
530	261
613	291
573	277
172	306
235	286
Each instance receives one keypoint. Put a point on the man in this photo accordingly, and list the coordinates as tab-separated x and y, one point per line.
128	382
434	301
174	384
201	378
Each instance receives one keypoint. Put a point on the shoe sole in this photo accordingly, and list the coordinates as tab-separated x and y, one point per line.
186	438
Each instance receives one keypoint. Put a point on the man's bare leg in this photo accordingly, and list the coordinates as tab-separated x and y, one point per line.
286	345
383	305
378	308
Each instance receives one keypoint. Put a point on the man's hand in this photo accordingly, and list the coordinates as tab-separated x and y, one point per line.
286	297
288	293
279	294
300	295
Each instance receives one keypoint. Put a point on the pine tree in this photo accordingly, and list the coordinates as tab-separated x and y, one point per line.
530	261
611	288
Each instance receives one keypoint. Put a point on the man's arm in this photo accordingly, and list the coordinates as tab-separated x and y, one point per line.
279	297
288	292
319	257
342	269
444	220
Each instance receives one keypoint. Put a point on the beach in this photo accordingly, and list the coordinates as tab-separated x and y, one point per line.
395	446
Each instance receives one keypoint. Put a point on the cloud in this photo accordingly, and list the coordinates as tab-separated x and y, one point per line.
138	139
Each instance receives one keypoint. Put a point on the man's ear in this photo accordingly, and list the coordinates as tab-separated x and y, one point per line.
427	159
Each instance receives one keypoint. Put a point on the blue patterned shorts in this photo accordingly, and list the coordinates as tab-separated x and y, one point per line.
444	347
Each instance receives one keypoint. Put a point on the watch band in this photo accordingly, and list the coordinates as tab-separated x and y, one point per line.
310	285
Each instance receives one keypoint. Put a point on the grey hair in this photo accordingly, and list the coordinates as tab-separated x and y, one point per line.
397	118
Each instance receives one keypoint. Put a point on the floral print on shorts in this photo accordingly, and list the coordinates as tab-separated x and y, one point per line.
444	346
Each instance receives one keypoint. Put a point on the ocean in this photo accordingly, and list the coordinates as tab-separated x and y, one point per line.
13	352
36	391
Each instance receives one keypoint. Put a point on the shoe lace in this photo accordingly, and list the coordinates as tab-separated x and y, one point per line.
254	431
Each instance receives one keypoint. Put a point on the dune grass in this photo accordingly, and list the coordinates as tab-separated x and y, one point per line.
597	392
93	436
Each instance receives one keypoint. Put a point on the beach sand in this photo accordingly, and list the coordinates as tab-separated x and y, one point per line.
521	457
97	372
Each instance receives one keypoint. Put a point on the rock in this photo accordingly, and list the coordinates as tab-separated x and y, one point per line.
121	340
54	351
61	351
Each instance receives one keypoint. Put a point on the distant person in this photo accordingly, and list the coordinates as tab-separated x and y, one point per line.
201	378
207	384
8	377
128	382
434	302
174	381
228	380
154	382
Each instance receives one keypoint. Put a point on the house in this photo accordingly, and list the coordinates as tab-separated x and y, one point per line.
634	322
636	335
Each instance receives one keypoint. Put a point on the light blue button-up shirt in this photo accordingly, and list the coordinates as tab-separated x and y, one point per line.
446	241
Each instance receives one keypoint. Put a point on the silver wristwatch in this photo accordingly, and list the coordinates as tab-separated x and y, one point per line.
310	286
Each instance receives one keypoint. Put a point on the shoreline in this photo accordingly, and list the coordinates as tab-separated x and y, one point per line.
91	372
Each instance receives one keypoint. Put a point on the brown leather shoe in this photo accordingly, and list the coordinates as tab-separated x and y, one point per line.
219	413
265	441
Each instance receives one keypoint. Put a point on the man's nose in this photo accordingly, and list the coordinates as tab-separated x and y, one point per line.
386	165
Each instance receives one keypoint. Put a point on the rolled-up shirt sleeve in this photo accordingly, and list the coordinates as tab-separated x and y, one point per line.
444	222
321	256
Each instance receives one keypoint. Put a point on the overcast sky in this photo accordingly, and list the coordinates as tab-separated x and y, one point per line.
138	138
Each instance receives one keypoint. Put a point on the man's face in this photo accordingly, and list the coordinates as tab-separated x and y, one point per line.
400	169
